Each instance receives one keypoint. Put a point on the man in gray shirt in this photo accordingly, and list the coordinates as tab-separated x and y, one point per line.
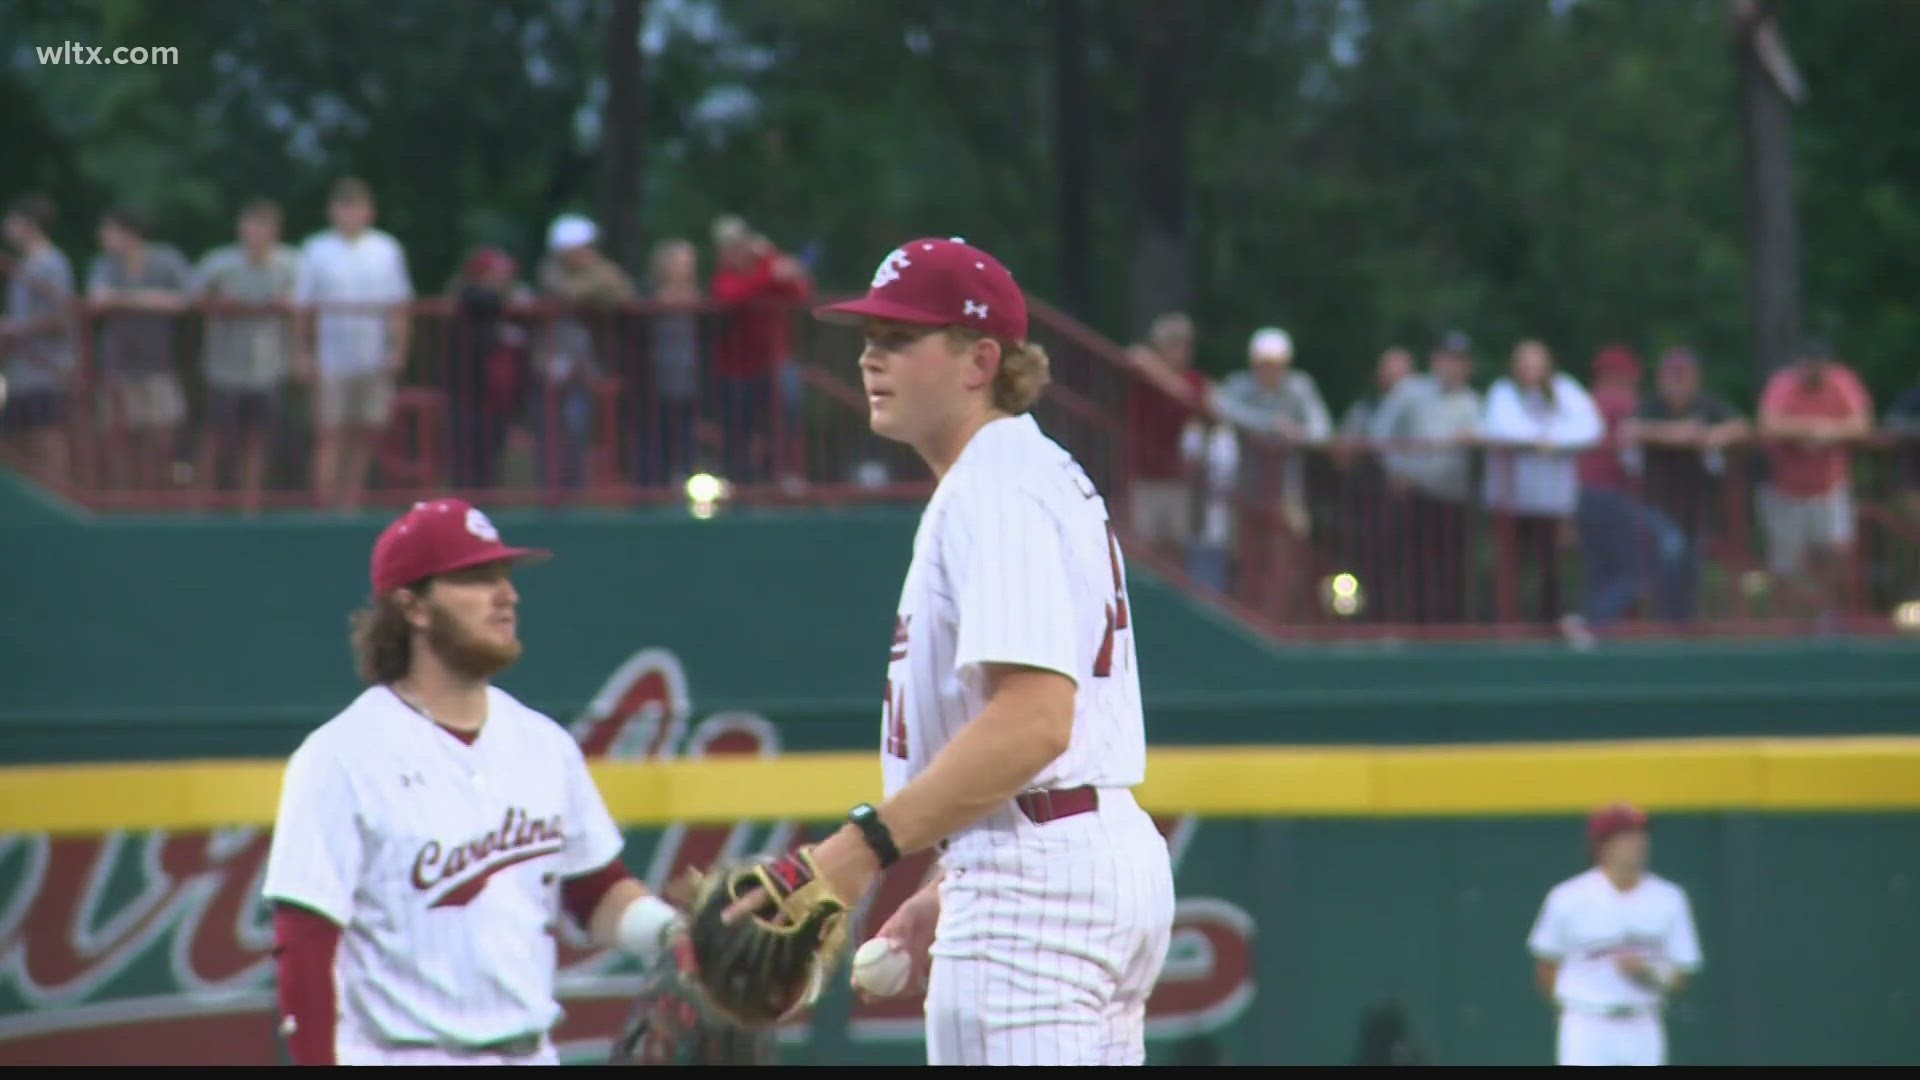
246	358
144	285
36	339
1434	419
1280	418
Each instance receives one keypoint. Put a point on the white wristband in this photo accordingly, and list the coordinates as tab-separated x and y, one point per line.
643	927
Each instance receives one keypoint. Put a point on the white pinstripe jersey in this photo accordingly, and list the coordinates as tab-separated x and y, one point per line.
1015	562
442	863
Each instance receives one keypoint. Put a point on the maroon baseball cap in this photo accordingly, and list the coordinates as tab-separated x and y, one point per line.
439	537
934	282
1613	819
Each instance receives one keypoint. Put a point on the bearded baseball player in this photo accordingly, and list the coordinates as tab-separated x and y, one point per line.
1011	729
431	834
1612	945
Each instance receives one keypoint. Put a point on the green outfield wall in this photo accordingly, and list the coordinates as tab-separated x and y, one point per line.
166	640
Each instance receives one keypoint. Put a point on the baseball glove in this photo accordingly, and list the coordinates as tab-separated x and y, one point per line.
768	965
672	1024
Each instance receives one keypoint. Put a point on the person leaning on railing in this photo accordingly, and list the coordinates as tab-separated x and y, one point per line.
1427	425
1677	443
1809	412
37	351
1537	420
577	276
1278	412
140	285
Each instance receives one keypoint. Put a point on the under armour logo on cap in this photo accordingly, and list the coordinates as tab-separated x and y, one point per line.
977	311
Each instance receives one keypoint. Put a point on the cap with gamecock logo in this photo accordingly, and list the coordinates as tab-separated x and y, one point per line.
440	537
935	282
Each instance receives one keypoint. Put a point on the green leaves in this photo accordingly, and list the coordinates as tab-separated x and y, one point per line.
1365	172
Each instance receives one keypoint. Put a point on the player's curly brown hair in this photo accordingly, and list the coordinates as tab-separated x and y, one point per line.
1024	370
382	641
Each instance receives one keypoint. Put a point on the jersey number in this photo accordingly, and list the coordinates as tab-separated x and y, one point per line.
893	713
1116	609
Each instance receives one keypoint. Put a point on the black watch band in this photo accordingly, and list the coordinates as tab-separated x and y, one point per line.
867	820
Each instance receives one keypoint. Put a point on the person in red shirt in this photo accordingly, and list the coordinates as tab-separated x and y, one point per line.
1809	411
755	285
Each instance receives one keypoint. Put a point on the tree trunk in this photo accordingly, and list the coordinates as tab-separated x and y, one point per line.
622	135
1773	256
1073	150
1161	269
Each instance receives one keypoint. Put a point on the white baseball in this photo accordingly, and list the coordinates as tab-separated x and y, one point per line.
881	968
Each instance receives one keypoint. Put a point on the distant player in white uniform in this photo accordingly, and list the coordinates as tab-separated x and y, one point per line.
1611	946
1011	730
432	834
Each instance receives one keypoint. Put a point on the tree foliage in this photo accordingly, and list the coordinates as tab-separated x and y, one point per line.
1363	172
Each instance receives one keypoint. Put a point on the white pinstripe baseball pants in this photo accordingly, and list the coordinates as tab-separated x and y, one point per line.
1050	941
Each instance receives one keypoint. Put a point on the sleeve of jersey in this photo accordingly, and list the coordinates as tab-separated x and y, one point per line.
314	858
593	840
1545	941
304	948
1007	566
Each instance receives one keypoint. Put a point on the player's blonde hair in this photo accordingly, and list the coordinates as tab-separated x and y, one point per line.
1024	369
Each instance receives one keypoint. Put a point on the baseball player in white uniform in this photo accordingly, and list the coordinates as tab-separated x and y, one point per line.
432	834
1011	728
1611	946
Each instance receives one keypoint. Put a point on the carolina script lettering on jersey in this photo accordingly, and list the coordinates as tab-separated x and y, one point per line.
518	838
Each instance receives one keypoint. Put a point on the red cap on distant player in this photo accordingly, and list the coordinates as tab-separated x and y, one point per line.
934	282
436	538
1616	818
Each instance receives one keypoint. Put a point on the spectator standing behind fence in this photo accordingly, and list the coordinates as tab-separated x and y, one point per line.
1627	548
246	359
1364	504
753	283
1808	412
1537	421
143	283
672	402
587	286
354	356
1429	478
487	375
1677	444
36	340
1168	397
1281	408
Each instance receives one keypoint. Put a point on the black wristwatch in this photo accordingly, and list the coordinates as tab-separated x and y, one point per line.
867	820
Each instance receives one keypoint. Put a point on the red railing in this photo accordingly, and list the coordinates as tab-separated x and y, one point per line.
1354	538
218	407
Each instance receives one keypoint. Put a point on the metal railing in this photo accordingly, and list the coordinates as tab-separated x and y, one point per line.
218	406
1363	539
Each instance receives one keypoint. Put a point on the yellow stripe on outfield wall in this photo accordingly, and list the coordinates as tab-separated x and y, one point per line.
1239	781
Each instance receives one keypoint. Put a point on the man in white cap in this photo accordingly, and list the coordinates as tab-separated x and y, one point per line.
576	276
1281	408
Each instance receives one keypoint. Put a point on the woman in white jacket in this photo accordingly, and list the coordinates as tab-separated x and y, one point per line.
1537	421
